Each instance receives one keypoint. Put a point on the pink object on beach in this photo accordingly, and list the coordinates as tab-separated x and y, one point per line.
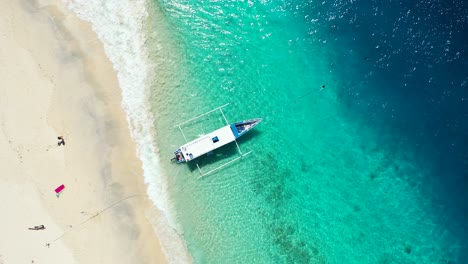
60	188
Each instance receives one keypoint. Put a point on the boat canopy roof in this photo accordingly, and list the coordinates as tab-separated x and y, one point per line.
207	143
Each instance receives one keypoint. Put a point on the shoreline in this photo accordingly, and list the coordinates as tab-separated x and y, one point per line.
136	41
58	81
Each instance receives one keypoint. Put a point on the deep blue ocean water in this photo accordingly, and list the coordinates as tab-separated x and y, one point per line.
362	156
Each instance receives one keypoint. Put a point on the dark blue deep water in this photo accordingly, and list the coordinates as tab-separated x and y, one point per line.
404	66
409	75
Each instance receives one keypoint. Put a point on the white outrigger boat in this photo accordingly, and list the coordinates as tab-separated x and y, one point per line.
213	140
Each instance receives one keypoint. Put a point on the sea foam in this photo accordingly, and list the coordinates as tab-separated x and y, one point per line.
119	25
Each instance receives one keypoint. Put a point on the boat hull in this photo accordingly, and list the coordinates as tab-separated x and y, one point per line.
216	139
240	128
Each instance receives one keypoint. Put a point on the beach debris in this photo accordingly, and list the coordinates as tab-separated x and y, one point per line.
39	227
61	141
59	190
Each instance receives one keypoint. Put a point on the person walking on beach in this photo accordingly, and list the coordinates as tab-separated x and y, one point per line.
61	141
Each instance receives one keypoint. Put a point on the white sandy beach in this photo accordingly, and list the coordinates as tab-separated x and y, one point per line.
56	81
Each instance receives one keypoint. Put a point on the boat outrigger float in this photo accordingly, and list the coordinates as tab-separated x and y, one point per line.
213	140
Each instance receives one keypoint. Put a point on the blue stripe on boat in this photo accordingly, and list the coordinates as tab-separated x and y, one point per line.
234	131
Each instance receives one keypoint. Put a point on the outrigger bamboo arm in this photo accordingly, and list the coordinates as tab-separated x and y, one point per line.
202	115
222	166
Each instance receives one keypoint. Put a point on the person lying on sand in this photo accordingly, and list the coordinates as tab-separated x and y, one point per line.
39	227
61	141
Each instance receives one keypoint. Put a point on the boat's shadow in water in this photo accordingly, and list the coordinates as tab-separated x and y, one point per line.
223	154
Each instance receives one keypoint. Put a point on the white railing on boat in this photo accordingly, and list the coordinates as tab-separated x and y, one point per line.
227	122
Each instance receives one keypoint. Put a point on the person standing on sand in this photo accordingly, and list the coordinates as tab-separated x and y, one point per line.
61	141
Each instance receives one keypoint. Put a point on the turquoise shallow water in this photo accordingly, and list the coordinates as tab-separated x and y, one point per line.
330	179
